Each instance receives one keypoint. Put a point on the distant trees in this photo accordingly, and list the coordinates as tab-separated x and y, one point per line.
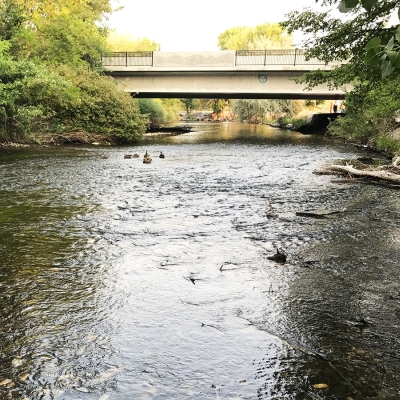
190	104
259	111
260	37
122	42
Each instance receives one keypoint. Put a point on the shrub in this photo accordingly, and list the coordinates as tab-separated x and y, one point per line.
153	109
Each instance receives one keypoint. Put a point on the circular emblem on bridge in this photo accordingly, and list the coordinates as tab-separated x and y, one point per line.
262	78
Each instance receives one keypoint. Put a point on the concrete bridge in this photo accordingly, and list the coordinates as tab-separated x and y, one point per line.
227	74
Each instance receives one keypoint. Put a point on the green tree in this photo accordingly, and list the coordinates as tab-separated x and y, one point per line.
363	44
68	40
261	37
259	111
343	40
122	42
379	50
49	84
153	109
11	19
218	105
370	116
190	105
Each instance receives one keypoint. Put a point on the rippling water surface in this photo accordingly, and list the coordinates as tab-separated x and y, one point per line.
122	280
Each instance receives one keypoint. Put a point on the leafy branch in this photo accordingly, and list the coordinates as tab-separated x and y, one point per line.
385	54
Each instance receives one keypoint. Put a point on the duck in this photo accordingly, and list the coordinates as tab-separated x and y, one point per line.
128	156
135	155
146	158
161	155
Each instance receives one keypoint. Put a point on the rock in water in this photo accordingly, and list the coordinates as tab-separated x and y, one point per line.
279	257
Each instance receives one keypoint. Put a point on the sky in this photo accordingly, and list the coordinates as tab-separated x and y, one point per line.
184	25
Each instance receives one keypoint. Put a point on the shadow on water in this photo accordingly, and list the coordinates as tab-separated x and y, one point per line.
123	280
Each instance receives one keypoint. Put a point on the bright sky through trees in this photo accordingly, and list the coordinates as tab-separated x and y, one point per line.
181	25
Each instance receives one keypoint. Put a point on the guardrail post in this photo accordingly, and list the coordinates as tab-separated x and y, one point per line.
295	55
126	59
265	58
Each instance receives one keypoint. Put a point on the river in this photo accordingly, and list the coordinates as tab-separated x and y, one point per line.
123	280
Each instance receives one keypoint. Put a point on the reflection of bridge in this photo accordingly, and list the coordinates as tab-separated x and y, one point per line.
242	74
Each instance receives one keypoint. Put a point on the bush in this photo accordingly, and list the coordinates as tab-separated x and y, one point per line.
370	115
35	100
153	109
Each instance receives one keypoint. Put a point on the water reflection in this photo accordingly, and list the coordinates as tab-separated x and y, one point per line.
124	280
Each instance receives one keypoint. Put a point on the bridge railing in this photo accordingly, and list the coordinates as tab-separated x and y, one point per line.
126	59
274	57
242	57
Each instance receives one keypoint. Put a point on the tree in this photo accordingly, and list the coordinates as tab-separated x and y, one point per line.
121	42
365	46
11	19
343	39
250	111
218	105
190	105
37	10
260	37
385	53
153	109
68	40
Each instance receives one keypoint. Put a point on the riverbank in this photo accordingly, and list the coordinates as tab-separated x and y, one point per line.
83	138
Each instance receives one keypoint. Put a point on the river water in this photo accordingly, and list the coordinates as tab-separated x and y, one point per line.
123	280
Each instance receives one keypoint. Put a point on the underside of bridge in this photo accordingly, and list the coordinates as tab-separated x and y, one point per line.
247	96
222	85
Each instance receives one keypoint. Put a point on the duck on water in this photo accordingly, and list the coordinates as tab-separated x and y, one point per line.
146	158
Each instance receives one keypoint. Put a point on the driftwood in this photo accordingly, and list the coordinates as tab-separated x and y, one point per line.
376	174
390	173
317	213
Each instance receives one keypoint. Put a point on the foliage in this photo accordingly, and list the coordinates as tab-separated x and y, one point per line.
153	109
370	115
260	37
35	99
342	39
171	108
11	19
365	46
121	42
259	111
68	40
49	82
190	105
297	122
218	105
386	54
251	111
36	11
101	107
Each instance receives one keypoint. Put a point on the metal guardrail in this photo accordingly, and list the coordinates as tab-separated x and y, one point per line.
127	59
242	57
274	57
